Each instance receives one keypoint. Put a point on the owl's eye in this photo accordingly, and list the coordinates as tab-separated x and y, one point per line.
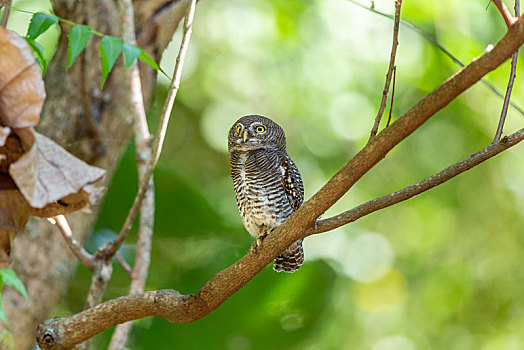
260	129
239	127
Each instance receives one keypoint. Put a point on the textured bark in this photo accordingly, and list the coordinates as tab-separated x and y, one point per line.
95	126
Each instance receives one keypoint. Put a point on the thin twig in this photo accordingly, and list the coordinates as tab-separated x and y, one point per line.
122	261
441	47
503	9
143	156
374	130
104	254
418	188
7	9
81	254
110	249
392	96
509	88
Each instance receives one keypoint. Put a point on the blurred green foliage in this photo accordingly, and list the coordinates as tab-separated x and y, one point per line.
441	271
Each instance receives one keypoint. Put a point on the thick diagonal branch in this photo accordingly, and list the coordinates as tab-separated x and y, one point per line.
64	332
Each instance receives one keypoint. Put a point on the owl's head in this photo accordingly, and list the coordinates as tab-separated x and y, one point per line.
253	132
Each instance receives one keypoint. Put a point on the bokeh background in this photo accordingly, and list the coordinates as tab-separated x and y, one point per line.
440	271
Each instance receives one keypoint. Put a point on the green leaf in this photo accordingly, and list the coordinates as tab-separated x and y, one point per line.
11	279
39	53
78	39
110	48
40	22
144	57
131	53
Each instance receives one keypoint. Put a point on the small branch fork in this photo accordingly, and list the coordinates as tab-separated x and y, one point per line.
100	264
435	42
61	333
512	75
389	75
418	188
503	9
110	249
81	254
143	155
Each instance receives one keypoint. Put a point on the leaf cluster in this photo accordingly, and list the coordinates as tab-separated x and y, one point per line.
79	36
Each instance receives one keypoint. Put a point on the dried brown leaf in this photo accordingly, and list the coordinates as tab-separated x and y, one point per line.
4	132
47	172
10	152
14	213
22	91
65	205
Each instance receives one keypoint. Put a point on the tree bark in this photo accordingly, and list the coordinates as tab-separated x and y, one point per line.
95	126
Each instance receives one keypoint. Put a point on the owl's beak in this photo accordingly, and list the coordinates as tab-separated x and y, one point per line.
245	136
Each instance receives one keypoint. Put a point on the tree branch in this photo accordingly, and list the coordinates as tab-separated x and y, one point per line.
64	332
143	156
81	254
441	47
389	75
174	307
110	249
392	96
512	75
503	9
418	188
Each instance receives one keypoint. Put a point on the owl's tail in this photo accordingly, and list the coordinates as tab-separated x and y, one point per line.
291	259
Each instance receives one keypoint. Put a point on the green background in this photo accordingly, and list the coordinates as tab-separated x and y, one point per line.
440	271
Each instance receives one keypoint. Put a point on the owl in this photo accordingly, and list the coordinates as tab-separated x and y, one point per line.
267	183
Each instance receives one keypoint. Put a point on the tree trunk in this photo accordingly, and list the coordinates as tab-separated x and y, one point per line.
92	124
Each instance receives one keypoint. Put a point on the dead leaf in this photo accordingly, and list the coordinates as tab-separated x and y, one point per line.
4	132
22	91
14	214
65	205
47	172
10	152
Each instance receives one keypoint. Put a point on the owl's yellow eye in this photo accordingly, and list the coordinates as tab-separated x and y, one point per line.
238	128
260	129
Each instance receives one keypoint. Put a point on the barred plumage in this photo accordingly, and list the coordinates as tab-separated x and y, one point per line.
267	183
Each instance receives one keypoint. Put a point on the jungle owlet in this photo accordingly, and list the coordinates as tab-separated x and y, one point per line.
267	183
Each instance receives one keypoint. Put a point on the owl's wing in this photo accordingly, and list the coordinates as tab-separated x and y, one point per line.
291	181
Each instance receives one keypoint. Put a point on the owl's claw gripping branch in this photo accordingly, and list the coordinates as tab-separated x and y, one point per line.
255	248
257	245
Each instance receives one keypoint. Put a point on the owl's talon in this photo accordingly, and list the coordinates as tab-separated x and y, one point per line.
256	247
